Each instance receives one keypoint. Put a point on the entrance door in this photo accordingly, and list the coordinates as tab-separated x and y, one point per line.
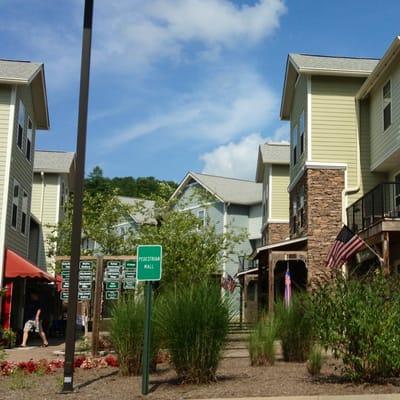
250	299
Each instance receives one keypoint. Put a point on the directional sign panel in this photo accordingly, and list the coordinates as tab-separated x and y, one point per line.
84	286
65	265
85	275
112	295
86	265
64	296
149	263
131	264
112	285
129	285
84	296
65	285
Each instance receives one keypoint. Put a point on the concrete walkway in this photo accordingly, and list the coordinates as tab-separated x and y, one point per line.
321	397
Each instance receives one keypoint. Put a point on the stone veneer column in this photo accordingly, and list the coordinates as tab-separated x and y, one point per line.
324	217
277	232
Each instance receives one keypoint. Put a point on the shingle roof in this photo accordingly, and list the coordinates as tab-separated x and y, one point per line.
24	71
230	190
307	62
53	161
143	210
275	153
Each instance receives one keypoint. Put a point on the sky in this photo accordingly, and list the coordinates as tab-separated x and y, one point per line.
179	85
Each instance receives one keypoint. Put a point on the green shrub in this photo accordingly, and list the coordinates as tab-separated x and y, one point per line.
193	322
315	361
295	328
359	321
126	334
262	343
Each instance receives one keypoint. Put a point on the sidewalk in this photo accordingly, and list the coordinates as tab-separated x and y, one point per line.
34	352
320	397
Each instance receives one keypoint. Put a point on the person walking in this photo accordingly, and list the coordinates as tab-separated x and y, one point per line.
34	315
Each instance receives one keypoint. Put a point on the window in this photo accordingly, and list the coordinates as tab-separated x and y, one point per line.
301	213
301	128
387	106
62	197
294	215
14	212
24	215
201	215
294	138
21	124
29	132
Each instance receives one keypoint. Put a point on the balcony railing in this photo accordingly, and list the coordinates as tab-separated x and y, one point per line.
383	201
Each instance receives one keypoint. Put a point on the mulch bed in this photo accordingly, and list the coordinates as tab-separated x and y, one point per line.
236	378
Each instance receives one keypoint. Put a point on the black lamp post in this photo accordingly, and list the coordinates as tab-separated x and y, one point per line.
241	282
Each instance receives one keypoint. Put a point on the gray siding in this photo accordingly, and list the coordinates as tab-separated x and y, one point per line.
22	171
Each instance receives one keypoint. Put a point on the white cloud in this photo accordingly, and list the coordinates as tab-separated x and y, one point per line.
234	159
223	108
239	159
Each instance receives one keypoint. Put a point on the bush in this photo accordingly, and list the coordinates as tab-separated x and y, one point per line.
315	361
126	334
295	328
193	322
359	321
262	343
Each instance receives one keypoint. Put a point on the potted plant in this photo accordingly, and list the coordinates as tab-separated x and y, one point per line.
9	338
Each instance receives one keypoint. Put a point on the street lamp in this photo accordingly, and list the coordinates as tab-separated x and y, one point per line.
241	282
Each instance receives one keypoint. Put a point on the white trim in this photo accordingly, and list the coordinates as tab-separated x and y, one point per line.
3	224
249	271
277	221
325	165
309	114
57	219
269	192
224	230
197	206
279	244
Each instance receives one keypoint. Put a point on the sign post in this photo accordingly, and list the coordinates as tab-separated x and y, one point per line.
149	268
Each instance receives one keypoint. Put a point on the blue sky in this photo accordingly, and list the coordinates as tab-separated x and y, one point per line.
180	85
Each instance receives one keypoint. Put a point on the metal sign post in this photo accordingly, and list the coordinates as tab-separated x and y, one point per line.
68	384
149	269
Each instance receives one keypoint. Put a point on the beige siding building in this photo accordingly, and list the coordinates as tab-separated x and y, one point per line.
52	185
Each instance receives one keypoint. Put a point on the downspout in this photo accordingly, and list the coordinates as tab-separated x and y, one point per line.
353	190
224	231
42	196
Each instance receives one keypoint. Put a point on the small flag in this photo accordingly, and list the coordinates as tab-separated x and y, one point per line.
228	283
288	288
345	245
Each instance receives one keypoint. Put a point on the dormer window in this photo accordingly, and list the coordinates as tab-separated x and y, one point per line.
21	125
387	105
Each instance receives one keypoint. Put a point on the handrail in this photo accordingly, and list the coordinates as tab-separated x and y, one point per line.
383	201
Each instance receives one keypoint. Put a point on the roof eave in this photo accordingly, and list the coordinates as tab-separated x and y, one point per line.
380	69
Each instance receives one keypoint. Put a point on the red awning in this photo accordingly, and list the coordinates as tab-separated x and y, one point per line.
17	267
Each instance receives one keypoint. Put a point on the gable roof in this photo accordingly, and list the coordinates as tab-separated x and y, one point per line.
390	57
227	190
272	153
309	64
144	212
14	72
53	161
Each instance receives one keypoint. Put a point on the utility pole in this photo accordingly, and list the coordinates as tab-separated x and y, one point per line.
68	383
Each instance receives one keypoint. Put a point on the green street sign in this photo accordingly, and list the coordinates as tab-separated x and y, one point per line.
85	275
84	296
130	275
115	264
112	295
112	285
85	265
130	284
111	275
84	286
149	263
64	296
65	274
131	264
65	265
65	285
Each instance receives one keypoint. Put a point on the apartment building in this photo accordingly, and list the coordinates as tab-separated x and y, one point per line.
344	162
53	182
23	111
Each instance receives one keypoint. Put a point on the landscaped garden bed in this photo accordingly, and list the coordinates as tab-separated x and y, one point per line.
235	378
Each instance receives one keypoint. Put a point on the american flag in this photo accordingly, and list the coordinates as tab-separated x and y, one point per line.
228	283
346	244
288	288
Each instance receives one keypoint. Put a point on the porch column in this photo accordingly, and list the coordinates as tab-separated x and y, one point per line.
271	282
385	253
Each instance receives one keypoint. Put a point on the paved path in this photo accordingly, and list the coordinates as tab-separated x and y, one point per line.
322	397
35	352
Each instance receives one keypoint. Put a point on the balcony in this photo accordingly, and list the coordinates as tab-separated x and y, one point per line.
380	204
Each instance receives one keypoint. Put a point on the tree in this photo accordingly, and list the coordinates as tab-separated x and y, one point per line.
102	211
